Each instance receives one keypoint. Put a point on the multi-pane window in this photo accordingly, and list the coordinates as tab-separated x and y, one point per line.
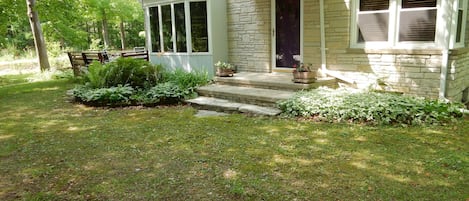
172	20
401	21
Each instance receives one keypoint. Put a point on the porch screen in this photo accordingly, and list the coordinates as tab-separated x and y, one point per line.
199	27
373	20
155	30
417	20
167	28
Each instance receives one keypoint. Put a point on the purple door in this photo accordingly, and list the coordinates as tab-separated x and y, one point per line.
287	32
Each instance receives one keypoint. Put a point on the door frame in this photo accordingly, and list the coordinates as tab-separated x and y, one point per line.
273	28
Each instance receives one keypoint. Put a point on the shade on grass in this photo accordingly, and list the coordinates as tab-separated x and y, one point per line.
51	149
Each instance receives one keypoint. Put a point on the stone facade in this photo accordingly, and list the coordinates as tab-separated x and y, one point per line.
249	38
415	72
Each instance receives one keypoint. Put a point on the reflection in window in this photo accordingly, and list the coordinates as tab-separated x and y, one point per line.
199	27
417	24
167	28
373	20
180	23
155	30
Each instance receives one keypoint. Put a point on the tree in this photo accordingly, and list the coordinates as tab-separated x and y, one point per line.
39	41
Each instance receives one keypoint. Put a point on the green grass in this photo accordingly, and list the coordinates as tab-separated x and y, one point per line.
51	149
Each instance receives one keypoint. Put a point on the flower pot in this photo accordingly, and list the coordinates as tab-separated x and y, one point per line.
304	77
225	72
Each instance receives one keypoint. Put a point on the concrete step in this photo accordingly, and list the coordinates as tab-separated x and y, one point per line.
255	96
223	105
276	81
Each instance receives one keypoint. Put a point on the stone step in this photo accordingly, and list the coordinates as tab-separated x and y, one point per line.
223	105
276	81
256	96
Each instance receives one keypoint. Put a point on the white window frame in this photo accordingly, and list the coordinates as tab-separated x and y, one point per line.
454	23
188	26
395	7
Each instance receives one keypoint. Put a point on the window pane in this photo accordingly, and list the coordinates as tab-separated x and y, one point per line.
199	27
180	23
417	25
418	3
459	27
373	27
155	30
167	28
370	5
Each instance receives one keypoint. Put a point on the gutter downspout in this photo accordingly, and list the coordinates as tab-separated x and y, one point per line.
444	73
323	38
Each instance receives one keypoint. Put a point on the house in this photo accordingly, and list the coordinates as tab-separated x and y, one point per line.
418	47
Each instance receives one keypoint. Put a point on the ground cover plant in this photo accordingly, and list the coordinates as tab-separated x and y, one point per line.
369	107
52	149
127	81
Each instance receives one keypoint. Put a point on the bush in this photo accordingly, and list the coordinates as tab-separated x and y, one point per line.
167	93
113	96
372	107
128	81
123	71
186	80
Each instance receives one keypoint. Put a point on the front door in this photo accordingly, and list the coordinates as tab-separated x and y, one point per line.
286	34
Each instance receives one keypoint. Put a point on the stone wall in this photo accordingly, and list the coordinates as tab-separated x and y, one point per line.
409	72
458	76
249	38
415	72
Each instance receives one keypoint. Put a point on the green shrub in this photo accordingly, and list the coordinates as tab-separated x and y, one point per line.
186	80
167	93
123	71
372	107
112	96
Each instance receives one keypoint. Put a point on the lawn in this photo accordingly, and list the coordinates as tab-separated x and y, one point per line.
51	149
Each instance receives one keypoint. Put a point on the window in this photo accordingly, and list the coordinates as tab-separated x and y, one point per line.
373	20
199	27
155	30
417	20
404	23
184	27
460	23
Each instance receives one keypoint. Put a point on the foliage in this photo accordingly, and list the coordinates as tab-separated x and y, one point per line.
374	107
186	80
167	93
304	67
51	149
224	65
136	73
112	96
150	84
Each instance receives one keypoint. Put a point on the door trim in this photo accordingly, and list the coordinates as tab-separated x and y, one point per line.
273	37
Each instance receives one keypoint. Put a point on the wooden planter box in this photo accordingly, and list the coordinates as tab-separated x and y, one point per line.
225	72
304	77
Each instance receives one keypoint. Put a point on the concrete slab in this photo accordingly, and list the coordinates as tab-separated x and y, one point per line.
208	113
230	106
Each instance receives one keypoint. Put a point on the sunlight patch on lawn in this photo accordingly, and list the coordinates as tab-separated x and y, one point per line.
321	141
230	174
5	137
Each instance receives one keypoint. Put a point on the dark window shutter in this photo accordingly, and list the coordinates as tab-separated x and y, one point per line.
372	5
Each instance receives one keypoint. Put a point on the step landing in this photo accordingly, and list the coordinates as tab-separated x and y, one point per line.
223	105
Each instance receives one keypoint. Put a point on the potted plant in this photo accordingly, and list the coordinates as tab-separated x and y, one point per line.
304	73
224	69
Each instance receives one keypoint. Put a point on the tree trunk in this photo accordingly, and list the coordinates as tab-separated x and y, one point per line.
105	31
122	30
39	42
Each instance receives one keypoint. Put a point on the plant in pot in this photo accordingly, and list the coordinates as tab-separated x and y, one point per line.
304	73
224	69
